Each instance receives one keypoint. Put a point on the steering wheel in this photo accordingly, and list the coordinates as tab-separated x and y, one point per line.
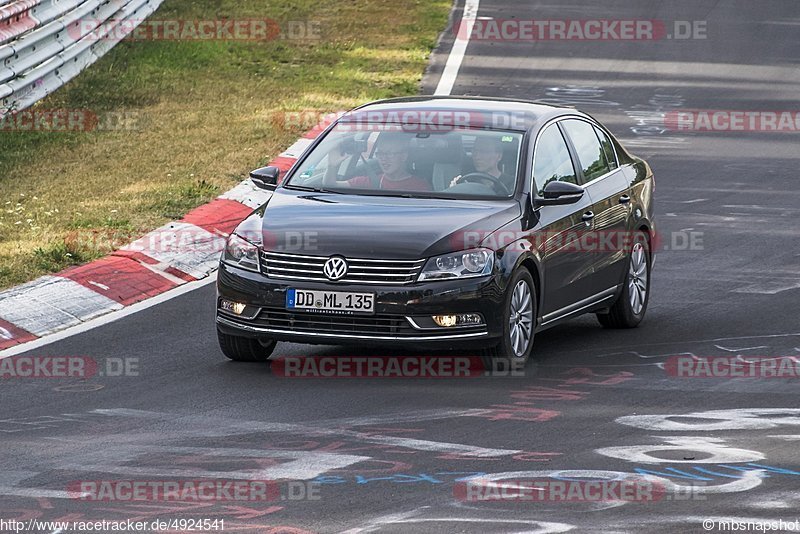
499	186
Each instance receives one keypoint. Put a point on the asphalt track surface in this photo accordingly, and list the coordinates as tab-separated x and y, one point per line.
393	449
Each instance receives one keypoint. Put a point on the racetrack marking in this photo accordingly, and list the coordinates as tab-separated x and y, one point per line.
10	479
51	303
160	269
98	284
108	318
576	95
769	287
406	417
716	420
649	356
183	246
541	527
720	347
531	526
625	350
713	447
459	49
123	458
302	465
224	427
297	148
746	482
247	193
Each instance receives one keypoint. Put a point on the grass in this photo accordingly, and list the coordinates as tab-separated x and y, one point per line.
185	120
60	255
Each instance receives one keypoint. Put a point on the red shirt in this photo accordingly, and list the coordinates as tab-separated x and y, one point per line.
411	183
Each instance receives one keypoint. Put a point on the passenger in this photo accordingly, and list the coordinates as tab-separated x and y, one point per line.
392	155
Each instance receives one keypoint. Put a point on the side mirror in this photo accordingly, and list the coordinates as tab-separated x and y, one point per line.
559	193
266	177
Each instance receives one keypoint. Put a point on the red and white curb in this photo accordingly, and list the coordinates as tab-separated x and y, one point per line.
178	253
173	255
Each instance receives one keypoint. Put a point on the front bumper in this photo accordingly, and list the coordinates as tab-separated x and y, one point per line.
402	313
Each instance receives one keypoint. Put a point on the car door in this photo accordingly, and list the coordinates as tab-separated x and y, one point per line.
567	271
607	187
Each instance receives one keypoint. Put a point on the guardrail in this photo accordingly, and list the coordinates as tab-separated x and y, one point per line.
46	43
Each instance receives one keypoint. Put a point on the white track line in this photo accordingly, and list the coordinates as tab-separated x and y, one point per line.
463	32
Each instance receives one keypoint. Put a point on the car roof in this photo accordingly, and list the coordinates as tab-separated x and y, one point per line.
473	111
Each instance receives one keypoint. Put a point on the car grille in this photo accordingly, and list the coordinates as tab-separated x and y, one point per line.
285	266
318	323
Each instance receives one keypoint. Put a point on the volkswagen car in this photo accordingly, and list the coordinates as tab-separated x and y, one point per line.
441	223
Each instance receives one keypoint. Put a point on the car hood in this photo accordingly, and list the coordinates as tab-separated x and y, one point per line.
366	226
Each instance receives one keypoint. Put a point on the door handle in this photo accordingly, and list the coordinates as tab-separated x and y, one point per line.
624	199
588	216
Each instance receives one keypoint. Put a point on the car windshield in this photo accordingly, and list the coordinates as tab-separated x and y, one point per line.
382	159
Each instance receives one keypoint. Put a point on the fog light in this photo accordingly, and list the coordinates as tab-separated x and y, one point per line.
469	319
233	307
463	319
445	320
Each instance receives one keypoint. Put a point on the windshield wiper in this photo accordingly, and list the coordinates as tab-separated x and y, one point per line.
311	189
383	193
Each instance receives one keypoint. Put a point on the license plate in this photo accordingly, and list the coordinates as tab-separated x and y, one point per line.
330	301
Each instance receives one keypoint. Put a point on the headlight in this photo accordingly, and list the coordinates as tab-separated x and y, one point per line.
241	253
466	264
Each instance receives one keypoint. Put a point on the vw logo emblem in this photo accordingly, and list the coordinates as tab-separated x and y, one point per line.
335	268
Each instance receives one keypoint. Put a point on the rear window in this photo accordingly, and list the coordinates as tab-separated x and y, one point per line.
608	148
591	154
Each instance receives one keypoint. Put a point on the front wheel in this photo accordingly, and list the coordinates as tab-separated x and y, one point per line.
519	323
243	349
628	311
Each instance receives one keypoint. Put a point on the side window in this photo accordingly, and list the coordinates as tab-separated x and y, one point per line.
608	148
591	155
551	160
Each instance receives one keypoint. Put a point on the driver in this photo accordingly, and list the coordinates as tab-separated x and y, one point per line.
392	155
486	155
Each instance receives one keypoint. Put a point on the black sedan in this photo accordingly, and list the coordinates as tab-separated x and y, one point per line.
442	222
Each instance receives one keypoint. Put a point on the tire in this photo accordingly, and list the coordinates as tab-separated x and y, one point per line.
243	349
627	312
506	353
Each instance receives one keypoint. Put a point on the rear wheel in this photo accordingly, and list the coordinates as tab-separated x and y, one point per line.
629	309
243	349
519	324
